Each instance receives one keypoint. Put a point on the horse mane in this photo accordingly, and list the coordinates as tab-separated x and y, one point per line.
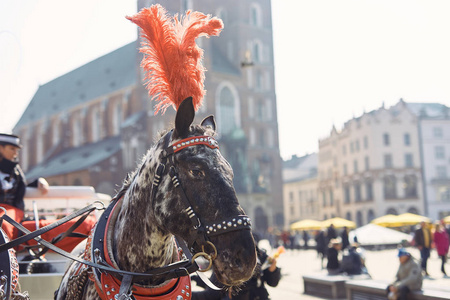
172	60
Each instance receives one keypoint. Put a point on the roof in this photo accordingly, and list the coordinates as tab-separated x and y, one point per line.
97	78
433	110
300	168
76	159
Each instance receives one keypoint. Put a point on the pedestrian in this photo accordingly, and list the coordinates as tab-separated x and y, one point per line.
423	240
305	239
321	246
441	242
331	233
344	237
408	277
13	182
333	264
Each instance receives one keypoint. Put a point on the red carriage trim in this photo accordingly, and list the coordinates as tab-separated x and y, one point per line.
195	140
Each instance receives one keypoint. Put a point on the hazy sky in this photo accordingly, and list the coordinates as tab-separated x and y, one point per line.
334	59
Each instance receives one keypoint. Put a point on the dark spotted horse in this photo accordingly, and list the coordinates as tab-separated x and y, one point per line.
180	203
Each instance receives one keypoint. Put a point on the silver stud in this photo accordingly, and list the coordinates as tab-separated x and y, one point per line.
219	226
182	291
234	225
183	144
179	297
229	224
108	293
113	290
240	222
174	147
106	286
224	227
179	146
234	220
187	294
187	287
192	141
196	140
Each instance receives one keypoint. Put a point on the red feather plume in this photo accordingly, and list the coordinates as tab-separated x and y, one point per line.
172	60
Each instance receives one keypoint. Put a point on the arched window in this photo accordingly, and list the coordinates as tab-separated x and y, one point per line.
359	219
56	132
390	187
413	210
392	211
410	186
348	216
370	215
117	118
77	131
228	108
255	15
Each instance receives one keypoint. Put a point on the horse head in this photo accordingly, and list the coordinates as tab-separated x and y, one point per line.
205	180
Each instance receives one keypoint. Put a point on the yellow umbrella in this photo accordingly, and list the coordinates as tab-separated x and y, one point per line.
338	223
387	221
306	224
446	220
411	219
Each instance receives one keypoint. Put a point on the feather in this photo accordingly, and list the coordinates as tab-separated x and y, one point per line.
172	60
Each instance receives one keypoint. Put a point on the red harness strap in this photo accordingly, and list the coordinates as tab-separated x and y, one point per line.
108	286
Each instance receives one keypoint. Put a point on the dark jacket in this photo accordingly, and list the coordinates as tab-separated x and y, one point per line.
253	289
11	173
333	261
420	240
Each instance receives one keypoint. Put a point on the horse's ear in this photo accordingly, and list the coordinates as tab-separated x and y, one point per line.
209	122
184	118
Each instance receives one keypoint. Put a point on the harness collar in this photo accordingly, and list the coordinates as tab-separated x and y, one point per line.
107	285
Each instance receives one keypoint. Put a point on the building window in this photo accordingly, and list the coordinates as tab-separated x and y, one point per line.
409	160
355	166
386	140
390	187
441	172
345	169
444	194
324	199
366	142
347	194
255	15
370	216
227	111
359	220
357	145
344	150
369	190
331	198
407	139
56	132
117	118
388	161
357	187
366	163
439	152
410	186
352	149
348	216
437	132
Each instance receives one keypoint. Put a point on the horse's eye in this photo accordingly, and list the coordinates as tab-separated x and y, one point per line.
197	173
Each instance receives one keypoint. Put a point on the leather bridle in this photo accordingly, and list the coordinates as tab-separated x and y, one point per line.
203	230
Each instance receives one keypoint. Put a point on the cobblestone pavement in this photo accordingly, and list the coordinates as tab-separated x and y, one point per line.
381	264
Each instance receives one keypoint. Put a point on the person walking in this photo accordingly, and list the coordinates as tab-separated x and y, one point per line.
344	237
407	279
423	240
321	246
441	242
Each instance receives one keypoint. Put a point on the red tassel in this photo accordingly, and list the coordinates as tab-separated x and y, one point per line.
172	60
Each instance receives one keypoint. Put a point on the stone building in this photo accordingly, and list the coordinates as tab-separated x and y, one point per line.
434	136
92	125
372	166
300	189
